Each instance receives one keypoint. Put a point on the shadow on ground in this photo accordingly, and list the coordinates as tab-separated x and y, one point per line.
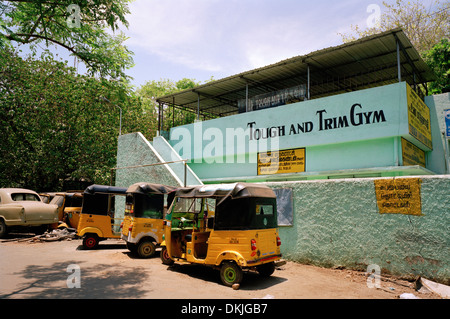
251	281
99	281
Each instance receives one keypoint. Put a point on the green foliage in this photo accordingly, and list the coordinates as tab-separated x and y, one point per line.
424	26
171	117
438	58
428	30
84	33
55	125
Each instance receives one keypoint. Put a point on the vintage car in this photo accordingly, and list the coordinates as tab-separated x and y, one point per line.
24	208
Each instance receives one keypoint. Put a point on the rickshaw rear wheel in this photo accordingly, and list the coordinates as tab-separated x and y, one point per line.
90	241
230	273
165	258
146	249
131	247
265	270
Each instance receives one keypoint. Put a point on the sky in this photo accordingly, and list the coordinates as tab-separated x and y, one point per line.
204	39
200	39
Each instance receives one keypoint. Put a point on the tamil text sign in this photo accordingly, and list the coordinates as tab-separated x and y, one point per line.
418	118
399	196
279	162
412	155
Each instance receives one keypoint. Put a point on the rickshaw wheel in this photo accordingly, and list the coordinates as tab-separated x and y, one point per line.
146	249
265	270
230	273
90	241
131	247
165	257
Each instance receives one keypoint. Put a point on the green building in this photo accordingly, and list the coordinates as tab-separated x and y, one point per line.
332	132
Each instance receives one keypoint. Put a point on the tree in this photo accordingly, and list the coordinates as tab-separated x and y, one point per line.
79	26
438	58
424	26
172	117
56	126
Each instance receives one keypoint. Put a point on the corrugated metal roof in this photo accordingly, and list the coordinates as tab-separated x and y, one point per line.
368	62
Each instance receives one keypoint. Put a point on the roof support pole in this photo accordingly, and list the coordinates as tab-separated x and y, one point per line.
159	119
162	117
198	106
173	111
246	97
399	64
309	84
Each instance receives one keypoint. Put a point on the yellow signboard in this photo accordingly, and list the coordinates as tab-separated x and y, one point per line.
412	155
399	196
280	162
418	118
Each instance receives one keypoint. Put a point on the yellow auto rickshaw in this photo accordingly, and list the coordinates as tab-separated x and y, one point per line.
69	207
97	219
231	227
143	227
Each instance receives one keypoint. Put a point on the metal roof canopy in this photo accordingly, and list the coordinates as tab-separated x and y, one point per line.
376	60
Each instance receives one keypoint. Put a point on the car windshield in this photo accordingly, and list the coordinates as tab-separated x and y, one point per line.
21	197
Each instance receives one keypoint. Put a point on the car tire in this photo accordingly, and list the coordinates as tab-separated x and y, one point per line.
90	241
165	258
230	273
3	229
146	249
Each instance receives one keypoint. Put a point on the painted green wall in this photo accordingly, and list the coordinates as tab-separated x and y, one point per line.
437	104
337	223
355	130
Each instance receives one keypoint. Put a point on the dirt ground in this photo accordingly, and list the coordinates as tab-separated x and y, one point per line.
45	269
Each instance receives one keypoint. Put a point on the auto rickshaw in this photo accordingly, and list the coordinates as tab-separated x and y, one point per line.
69	208
231	227
97	219
143	227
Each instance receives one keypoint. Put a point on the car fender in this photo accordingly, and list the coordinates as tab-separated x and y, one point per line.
93	230
12	214
231	255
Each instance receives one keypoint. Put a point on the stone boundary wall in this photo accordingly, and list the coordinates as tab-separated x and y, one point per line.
337	223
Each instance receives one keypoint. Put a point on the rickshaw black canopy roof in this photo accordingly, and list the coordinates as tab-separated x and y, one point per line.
91	190
237	190
150	188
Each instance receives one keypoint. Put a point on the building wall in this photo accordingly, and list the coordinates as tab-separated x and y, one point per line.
337	223
437	104
135	150
355	130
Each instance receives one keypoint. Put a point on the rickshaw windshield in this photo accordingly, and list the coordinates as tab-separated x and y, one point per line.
246	213
99	199
187	205
149	206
